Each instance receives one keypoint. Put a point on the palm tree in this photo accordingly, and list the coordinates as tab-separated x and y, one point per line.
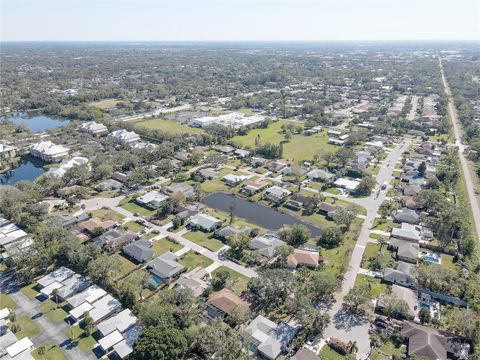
352	347
231	207
55	295
382	242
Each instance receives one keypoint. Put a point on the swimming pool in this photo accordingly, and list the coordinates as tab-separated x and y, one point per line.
156	281
431	259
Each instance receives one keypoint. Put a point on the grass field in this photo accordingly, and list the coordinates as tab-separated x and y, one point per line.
300	147
29	292
237	283
204	239
52	352
28	328
7	302
79	338
375	285
387	350
191	260
125	265
135	208
372	251
168	126
53	311
107	214
133	227
163	245
327	353
104	104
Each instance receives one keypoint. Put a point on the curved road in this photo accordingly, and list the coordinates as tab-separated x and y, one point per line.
461	148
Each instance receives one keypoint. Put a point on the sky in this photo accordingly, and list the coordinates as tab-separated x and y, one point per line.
239	20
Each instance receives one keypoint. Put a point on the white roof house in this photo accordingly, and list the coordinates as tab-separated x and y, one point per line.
205	222
409	232
111	339
19	347
124	137
11	236
104	307
77	312
276	193
125	347
66	165
349	185
232	179
151	199
90	294
73	285
48	151
121	322
4	313
50	288
58	275
93	128
234	119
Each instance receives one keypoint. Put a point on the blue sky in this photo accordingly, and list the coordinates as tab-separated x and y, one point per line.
271	20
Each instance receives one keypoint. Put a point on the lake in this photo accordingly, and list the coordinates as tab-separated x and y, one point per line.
255	213
29	169
38	122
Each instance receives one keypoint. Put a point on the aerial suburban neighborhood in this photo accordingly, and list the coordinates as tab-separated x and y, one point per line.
251	201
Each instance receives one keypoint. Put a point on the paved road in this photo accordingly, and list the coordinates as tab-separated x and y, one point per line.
413	110
343	325
461	148
50	331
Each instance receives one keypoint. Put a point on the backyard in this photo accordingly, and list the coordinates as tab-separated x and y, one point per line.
237	281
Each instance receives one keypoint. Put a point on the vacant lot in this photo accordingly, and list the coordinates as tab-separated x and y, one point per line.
163	245
191	260
204	239
237	282
104	104
169	126
299	147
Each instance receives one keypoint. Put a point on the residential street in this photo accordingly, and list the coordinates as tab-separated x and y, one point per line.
343	325
461	148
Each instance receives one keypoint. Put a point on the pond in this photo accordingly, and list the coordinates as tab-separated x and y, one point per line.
28	169
38	122
255	213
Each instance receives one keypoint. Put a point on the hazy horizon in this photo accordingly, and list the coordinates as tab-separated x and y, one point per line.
239	21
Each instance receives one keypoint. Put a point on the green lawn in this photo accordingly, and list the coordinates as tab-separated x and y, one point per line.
327	353
79	338
376	286
125	265
135	208
163	245
29	292
7	302
372	251
387	350
237	283
299	147
191	260
53	311
133	227
107	214
169	126
52	352
28	328
204	239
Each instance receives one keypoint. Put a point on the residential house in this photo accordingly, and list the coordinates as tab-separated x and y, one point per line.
242	154
269	338
124	348
92	225
233	180
424	341
328	210
276	194
346	184
58	275
401	276
402	293
408	232
20	348
196	280
406	250
306	258
252	187
305	354
222	303
124	137
165	267
183	188
68	221
93	128
139	251
227	232
72	286
204	222
208	173
266	244
407	216
320	175
103	308
66	165
114	238
48	151
152	199
121	322
7	151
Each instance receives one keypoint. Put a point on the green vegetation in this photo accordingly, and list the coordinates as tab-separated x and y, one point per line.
237	282
29	292
7	301
387	350
133	227
191	260
107	214
80	339
204	239
163	245
126	265
133	207
53	311
168	126
28	328
327	353
52	352
376	257
375	285
104	104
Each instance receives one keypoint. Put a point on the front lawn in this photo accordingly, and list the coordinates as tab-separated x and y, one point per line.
52	352
53	311
79	338
28	328
191	260
107	214
29	292
204	239
7	302
375	285
163	245
327	353
387	350
133	227
372	252
135	208
237	282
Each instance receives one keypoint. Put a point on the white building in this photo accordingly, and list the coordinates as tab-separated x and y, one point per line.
66	165
124	137
48	151
7	151
235	120
93	128
349	185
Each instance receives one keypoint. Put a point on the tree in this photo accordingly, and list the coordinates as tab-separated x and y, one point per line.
271	287
42	351
219	279
103	270
424	315
55	296
352	347
343	156
295	235
393	306
88	324
331	237
366	186
231	208
239	315
422	168
161	342
344	217
358	299
165	208
282	252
